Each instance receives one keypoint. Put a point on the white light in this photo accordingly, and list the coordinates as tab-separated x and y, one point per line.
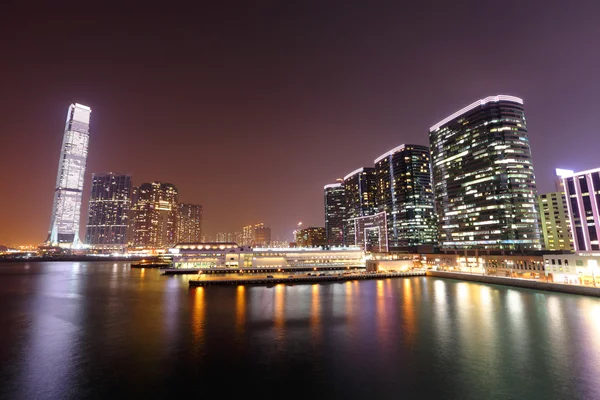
389	153
564	172
478	103
361	169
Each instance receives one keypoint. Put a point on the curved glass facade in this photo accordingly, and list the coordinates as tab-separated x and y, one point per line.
484	183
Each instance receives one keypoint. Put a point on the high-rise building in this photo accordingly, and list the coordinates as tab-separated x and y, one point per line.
262	236
236	237
66	208
582	192
108	211
154	216
247	235
335	213
189	223
371	232
405	194
554	214
360	190
311	237
484	184
555	221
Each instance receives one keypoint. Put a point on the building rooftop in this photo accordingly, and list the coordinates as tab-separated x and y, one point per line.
478	103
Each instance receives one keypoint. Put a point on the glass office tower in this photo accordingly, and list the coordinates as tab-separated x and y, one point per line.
360	190
484	183
66	208
405	194
108	211
335	211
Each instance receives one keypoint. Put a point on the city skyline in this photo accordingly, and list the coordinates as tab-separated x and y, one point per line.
337	105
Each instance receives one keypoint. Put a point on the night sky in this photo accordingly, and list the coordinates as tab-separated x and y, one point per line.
250	109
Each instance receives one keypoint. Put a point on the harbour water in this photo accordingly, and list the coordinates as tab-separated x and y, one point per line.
97	330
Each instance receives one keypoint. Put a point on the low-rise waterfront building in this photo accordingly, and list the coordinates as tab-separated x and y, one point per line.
529	266
574	269
230	255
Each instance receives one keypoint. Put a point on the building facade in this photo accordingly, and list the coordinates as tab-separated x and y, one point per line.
66	207
247	235
311	237
405	193
582	192
108	211
360	191
484	183
371	232
573	269
154	216
335	213
230	255
262	236
555	225
189	223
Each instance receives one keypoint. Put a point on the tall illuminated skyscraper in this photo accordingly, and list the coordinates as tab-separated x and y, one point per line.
484	185
404	192
66	208
108	211
360	191
154	222
335	213
189	225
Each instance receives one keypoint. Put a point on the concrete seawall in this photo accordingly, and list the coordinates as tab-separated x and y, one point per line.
528	284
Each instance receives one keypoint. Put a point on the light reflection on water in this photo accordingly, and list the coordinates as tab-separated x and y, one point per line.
90	330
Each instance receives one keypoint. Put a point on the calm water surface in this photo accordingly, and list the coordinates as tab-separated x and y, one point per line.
96	330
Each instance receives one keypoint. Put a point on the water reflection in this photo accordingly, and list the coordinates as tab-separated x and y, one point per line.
279	308
198	312
129	331
381	311
315	312
408	310
49	358
240	310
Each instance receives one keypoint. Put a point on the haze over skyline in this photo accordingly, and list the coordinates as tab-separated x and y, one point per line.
250	110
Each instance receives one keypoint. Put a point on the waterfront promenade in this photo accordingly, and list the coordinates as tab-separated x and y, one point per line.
260	280
518	282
